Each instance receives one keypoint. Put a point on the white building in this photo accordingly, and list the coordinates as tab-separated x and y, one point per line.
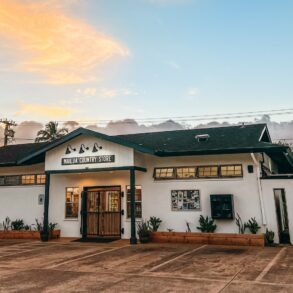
85	181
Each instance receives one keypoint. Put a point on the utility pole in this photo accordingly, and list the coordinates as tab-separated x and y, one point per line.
8	132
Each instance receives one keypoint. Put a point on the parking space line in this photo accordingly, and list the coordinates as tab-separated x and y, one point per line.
270	265
85	257
175	258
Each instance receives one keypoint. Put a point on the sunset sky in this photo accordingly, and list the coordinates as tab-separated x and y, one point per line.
115	59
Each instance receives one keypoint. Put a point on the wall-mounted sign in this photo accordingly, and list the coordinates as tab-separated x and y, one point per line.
185	200
88	160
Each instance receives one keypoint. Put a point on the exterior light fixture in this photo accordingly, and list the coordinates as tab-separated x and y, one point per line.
96	148
69	150
82	149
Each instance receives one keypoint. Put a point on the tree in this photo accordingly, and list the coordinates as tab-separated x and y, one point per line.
51	132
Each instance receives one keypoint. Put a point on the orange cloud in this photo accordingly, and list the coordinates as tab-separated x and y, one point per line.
44	111
61	48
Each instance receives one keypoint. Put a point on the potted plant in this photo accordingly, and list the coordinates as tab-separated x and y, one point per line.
269	237
143	231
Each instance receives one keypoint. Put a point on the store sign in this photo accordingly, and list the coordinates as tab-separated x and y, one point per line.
185	200
88	160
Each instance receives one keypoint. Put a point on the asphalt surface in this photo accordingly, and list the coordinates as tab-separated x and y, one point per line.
65	266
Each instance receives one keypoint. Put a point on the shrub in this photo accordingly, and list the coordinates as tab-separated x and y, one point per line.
6	224
269	236
252	225
206	224
155	223
52	226
17	225
143	231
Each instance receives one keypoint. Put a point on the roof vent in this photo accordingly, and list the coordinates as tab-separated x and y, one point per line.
202	137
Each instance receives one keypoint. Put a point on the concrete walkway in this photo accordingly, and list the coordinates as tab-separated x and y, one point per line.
65	266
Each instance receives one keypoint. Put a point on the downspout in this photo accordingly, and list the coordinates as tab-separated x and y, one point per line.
260	194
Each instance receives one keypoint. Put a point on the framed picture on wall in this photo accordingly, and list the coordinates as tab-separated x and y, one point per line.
185	200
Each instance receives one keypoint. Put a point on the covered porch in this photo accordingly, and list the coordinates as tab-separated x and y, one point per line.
96	216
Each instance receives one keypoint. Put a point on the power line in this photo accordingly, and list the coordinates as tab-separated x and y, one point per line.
214	117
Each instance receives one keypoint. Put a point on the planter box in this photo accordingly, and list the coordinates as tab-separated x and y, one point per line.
209	238
27	234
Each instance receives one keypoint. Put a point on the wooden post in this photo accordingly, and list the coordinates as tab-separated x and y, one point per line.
133	239
45	232
84	214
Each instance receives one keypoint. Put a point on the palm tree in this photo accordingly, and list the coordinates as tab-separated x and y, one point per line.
51	132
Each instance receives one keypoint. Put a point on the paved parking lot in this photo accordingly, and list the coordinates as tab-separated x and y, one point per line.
64	266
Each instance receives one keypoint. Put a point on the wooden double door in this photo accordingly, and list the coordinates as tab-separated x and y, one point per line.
101	212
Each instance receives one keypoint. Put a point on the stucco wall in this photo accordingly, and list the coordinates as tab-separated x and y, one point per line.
21	202
123	156
268	186
156	195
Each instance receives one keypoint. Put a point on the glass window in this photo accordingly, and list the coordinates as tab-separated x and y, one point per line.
27	179
164	173
138	202
208	171
185	172
231	171
12	180
2	180
41	179
72	202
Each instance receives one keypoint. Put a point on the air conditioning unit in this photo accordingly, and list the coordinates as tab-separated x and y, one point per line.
222	206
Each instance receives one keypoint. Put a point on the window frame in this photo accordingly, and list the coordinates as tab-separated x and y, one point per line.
72	202
128	216
164	178
197	169
231	176
208	166
18	180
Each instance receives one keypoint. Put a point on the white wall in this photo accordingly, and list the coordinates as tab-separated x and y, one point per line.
21	202
156	195
268	186
123	156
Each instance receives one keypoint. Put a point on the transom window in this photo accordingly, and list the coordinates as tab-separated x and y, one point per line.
186	172
138	202
208	171
164	173
27	179
41	179
72	202
231	171
191	172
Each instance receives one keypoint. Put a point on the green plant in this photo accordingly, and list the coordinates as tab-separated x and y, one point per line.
39	226
6	224
252	225
170	230
206	224
17	225
188	227
143	231
155	223
52	226
269	236
27	227
241	226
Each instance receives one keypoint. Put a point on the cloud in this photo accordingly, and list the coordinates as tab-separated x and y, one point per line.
53	44
193	92
173	65
44	111
89	91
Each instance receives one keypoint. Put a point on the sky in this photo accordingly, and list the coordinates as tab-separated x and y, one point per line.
92	60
